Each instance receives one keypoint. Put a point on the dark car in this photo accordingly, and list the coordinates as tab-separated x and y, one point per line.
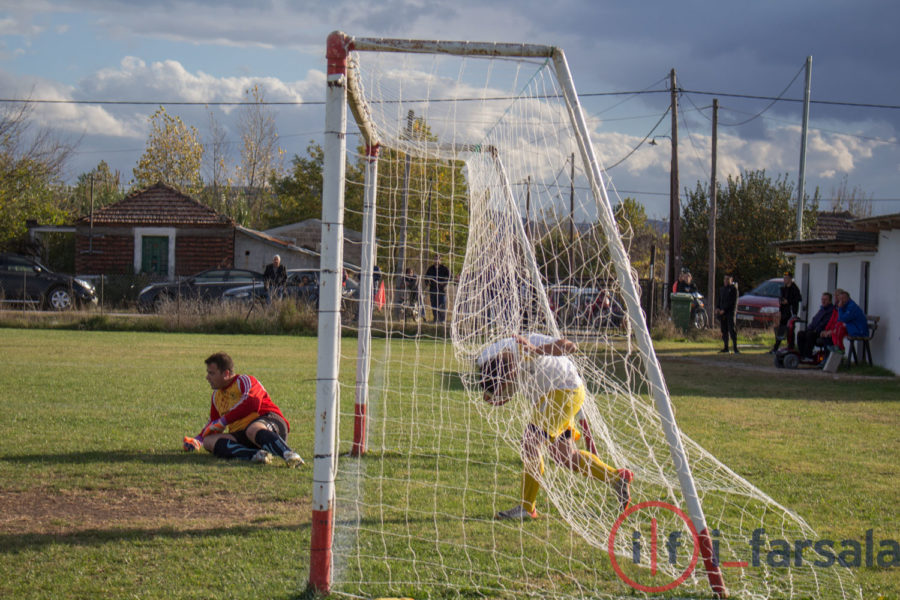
302	284
759	306
204	286
23	280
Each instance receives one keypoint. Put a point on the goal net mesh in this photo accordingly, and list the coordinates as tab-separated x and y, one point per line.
476	167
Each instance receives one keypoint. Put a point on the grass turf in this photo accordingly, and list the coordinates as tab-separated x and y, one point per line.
98	501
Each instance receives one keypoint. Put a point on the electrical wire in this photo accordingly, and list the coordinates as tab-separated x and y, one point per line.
633	150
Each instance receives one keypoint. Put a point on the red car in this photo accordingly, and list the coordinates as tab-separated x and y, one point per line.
759	306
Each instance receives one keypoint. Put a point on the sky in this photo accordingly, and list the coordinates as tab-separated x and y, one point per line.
742	53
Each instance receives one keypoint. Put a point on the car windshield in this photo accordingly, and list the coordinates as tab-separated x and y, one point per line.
769	289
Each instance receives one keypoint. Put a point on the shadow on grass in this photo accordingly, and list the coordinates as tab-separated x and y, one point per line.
16	543
452	380
119	456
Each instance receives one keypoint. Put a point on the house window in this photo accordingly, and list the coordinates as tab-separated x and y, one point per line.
832	277
154	251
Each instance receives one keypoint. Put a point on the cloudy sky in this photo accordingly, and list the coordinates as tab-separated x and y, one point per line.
201	51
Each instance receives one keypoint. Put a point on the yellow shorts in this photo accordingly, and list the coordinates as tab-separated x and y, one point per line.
555	413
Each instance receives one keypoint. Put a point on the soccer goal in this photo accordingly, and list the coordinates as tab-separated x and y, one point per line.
470	176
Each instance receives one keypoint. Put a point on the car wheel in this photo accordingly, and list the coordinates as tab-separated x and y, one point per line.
60	299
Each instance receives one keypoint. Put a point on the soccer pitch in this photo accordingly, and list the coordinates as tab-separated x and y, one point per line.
98	501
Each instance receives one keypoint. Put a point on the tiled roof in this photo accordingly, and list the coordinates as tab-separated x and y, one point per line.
829	223
157	205
879	223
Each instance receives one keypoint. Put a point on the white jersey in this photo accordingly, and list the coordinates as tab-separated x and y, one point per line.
548	373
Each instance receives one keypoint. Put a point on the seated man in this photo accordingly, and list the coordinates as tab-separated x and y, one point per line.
557	392
806	340
852	320
240	404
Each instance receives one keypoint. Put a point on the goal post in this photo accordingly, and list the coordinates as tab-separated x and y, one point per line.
452	138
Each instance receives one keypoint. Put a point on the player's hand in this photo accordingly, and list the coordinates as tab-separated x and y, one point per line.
217	426
191	444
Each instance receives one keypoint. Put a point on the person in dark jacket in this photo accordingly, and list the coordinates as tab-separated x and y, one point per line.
437	277
788	306
274	277
806	340
726	309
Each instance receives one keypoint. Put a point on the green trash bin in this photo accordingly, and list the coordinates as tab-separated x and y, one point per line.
681	310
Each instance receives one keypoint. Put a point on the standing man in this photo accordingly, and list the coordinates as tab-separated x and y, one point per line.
240	404
788	306
726	309
274	277
438	276
806	340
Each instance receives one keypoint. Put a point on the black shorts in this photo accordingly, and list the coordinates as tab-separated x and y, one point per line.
270	421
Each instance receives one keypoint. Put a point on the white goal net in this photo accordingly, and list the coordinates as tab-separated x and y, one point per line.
484	164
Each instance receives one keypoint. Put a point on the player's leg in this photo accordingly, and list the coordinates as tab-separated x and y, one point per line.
269	432
560	410
533	441
224	445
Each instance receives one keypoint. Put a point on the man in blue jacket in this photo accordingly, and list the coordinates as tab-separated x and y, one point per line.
852	320
806	339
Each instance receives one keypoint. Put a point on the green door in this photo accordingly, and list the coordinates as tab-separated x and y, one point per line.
155	255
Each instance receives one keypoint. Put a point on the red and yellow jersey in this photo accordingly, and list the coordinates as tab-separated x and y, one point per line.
241	402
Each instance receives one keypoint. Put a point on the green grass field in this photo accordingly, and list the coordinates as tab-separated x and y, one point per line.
98	501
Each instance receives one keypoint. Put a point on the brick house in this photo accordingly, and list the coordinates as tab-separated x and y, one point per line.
159	231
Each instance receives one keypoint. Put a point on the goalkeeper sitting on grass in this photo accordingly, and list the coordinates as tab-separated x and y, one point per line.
240	404
558	391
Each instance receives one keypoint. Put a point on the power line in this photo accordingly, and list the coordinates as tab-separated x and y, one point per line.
470	99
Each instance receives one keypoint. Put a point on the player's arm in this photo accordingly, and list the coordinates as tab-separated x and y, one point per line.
558	347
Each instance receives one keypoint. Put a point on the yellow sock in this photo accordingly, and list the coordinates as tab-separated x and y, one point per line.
530	488
591	466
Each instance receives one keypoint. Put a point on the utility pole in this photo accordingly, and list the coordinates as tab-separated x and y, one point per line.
802	183
711	273
674	203
404	211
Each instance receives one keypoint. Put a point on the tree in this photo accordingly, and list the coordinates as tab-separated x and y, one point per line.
752	213
638	235
173	155
259	153
96	188
30	164
299	192
853	201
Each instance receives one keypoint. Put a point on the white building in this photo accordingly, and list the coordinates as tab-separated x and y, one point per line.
865	261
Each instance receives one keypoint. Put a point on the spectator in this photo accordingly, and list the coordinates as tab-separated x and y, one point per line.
410	284
685	284
806	340
852	320
789	306
274	277
438	276
726	309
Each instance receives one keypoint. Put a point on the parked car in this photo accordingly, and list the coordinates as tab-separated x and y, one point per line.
206	285
302	284
759	306
23	280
